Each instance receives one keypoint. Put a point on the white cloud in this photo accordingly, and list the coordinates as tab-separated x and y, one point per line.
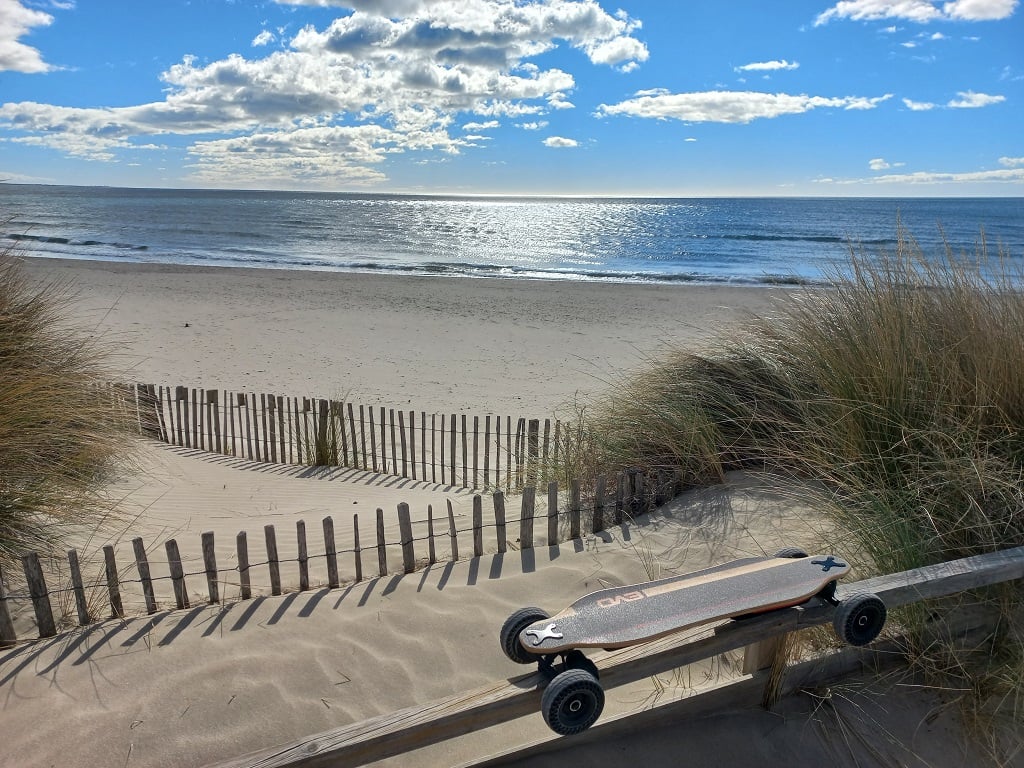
881	164
909	44
918	106
972	100
481	126
560	142
403	72
920	11
533	126
1008	175
1012	162
263	38
937	36
730	106
768	66
15	22
689	139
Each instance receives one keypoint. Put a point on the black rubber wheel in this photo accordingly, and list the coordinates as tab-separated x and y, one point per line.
859	618
572	702
794	552
576	659
510	630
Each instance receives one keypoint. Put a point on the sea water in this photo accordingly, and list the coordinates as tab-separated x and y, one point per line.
723	240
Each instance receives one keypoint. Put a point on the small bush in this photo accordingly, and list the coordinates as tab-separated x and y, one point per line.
59	435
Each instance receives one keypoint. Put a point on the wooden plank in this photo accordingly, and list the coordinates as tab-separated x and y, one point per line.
356	549
452	533
552	514
597	521
362	436
499	521
8	636
300	421
401	431
412	442
113	582
487	451
331	552
400	732
433	442
547	437
478	525
465	452
441	462
373	438
231	415
405	532
620	498
338	430
177	574
290	420
352	427
383	442
37	591
79	588
431	553
532	450
300	535
476	450
280	427
574	509
213	399
454	430
210	565
269	403
526	519
244	581
423	444
273	564
394	442
142	564
382	554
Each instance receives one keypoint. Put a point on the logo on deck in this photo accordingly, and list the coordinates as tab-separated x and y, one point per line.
540	635
828	563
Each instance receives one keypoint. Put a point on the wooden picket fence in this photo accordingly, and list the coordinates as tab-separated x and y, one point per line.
608	503
459	450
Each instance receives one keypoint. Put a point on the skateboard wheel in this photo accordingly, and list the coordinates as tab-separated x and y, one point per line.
576	659
572	702
859	618
511	629
793	552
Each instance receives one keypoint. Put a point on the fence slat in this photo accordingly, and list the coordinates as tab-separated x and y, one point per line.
476	449
382	554
177	573
7	634
210	565
526	520
273	563
412	442
478	525
465	450
113	586
356	549
431	553
331	551
499	521
405	531
597	524
401	431
142	563
552	514
300	535
487	451
574	509
394	446
79	588
362	437
452	533
454	431
40	598
242	546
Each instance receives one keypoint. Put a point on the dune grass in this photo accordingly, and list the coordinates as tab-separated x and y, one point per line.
59	435
900	389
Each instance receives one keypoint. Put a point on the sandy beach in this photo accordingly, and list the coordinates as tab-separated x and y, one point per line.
212	683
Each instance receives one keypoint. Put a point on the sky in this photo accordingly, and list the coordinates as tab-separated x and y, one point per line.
520	97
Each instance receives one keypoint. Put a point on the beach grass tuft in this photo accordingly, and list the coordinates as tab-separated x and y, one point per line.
60	436
898	389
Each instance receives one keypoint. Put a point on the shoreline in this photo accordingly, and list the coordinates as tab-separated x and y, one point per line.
434	342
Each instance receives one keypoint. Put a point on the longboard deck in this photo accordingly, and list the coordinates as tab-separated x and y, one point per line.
622	616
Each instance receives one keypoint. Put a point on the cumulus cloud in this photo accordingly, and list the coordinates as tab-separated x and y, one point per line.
918	106
391	75
16	21
263	38
1012	162
1008	175
920	11
560	142
481	126
972	100
768	66
730	106
535	125
881	164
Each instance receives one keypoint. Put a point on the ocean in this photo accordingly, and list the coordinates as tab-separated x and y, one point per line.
752	241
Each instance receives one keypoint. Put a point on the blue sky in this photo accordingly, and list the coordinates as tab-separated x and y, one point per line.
575	97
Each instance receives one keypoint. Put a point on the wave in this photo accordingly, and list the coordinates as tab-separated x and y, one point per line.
20	237
807	239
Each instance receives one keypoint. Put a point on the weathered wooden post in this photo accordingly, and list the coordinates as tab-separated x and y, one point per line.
40	597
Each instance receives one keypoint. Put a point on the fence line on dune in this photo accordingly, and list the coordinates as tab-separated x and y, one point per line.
457	449
610	502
